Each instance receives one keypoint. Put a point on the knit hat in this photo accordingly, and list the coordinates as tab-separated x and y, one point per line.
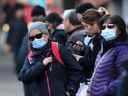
43	27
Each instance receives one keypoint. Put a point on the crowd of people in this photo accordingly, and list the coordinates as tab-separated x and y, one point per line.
82	52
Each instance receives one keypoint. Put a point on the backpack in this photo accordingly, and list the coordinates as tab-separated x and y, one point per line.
56	52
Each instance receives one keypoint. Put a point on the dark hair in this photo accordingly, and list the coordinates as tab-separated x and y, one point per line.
73	18
38	18
120	23
91	16
54	18
38	10
84	7
18	6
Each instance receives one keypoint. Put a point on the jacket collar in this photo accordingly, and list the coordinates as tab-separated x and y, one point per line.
77	28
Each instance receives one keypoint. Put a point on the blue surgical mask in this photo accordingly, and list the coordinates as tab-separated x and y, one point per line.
109	34
38	43
87	40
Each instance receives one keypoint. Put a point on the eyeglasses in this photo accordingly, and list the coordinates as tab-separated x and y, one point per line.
110	26
37	36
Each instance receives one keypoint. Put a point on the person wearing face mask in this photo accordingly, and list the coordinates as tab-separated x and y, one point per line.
109	65
92	45
38	13
91	41
43	74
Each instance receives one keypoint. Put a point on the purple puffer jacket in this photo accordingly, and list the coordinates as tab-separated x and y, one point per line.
108	70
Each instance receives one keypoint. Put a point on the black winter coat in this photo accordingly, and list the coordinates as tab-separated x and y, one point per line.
88	60
52	80
72	37
59	36
23	51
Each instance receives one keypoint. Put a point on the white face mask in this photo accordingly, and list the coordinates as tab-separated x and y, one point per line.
87	40
109	34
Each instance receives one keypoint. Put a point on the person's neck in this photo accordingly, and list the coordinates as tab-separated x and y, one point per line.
72	28
108	45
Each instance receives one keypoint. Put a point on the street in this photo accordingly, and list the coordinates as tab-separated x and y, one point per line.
9	85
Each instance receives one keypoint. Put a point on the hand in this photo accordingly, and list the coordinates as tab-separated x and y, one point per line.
78	46
67	94
70	92
47	60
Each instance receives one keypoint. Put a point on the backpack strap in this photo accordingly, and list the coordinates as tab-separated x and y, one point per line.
56	52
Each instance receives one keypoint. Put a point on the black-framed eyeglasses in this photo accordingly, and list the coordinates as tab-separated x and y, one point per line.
37	36
110	26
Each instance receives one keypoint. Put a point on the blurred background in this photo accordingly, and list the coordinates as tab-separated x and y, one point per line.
9	85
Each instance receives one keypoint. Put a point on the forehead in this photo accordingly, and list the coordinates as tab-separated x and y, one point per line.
88	24
34	32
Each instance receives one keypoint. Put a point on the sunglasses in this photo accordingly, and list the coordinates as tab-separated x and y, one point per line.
110	26
37	36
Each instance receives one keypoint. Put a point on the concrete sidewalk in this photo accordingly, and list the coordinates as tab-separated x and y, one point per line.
9	85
